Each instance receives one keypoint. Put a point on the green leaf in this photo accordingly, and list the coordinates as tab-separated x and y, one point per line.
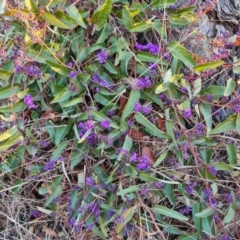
179	52
194	236
230	214
55	194
17	187
2	7
147	178
126	146
160	4
17	107
208	226
31	6
128	108
73	102
228	124
168	192
74	14
160	28
206	110
51	187
4	74
61	69
238	123
59	150
62	96
126	56
208	66
149	57
151	128
110	67
232	154
169	213
78	155
100	16
9	90
197	86
127	216
229	88
101	117
52	20
131	189
161	158
205	213
14	139
105	33
9	133
68	21
141	26
222	166
197	207
216	91
61	132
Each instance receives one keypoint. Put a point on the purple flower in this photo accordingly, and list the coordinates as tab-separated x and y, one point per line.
89	226
49	165
144	164
144	82
43	144
105	124
33	71
189	188
153	48
228	198
167	56
216	218
207	192
187	113
185	210
224	99
73	74
28	100
146	109
212	170
140	47
134	157
36	214
225	237
110	113
185	90
138	107
209	97
102	56
120	219
162	96
144	190
70	64
90	182
158	185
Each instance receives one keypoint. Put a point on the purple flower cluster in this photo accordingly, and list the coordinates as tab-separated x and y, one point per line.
101	81
187	113
212	170
150	47
28	100
110	113
199	129
146	110
236	105
34	71
105	124
185	210
102	56
72	74
209	196
92	138
36	214
50	165
43	144
144	82
143	163
208	97
225	237
90	182
189	188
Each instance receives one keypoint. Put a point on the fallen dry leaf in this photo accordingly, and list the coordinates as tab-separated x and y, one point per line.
146	151
40	236
122	103
135	134
161	124
49	231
